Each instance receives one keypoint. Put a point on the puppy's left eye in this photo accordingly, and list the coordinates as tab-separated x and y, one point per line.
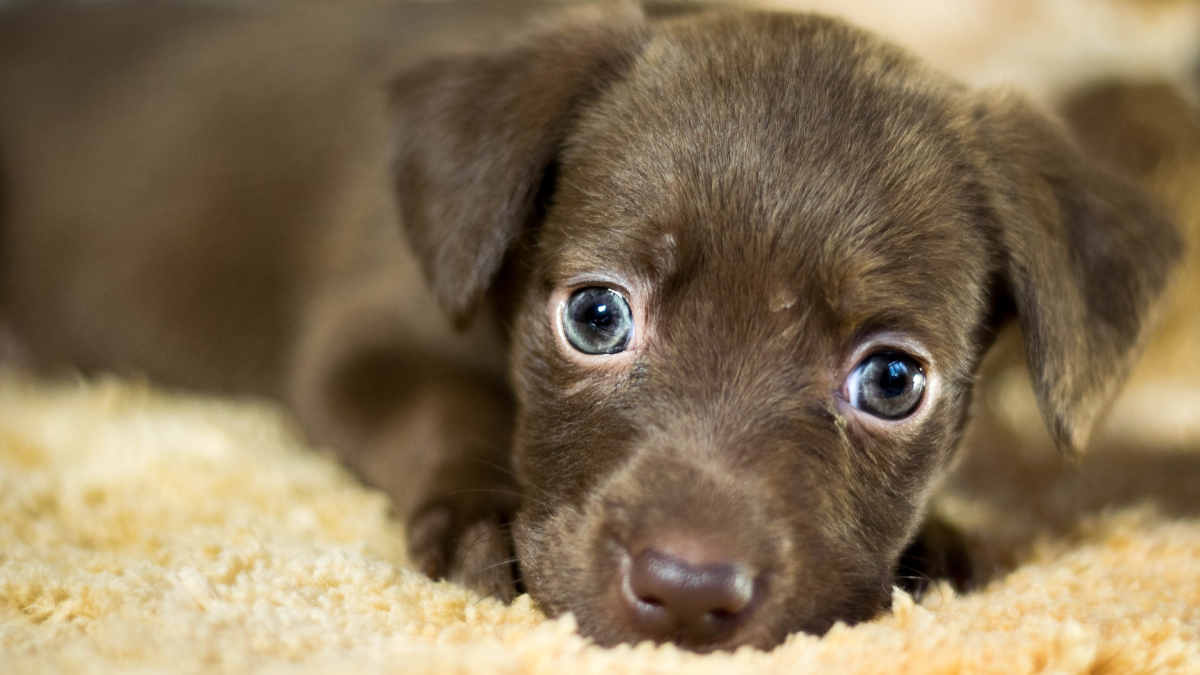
888	385
597	321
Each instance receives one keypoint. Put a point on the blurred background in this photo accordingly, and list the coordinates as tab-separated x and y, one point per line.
1042	46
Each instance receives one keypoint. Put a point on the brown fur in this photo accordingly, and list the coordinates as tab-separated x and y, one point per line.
1151	132
217	197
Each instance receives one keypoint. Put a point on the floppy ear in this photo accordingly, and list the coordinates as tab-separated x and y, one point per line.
475	134
1085	256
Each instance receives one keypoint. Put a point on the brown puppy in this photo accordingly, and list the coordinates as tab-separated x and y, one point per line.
728	277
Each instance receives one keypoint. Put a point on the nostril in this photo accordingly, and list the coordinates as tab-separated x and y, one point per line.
673	598
651	600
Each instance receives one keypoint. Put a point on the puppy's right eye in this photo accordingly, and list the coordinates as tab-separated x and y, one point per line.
597	321
888	385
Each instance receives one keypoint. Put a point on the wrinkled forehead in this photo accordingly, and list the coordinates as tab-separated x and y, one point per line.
779	150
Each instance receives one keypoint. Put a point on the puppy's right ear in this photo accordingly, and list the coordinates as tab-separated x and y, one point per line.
1085	256
475	134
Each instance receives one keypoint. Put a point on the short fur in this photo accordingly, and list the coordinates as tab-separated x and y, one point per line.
239	200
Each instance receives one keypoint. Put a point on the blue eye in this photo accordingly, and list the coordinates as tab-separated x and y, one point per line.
597	321
888	385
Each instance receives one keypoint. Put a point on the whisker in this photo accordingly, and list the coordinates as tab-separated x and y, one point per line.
508	561
524	482
499	491
482	537
919	575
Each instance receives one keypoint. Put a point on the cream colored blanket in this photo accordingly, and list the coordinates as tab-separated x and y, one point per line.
142	531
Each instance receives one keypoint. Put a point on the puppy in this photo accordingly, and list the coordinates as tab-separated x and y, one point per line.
683	308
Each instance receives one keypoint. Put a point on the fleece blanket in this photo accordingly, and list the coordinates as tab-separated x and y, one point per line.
149	531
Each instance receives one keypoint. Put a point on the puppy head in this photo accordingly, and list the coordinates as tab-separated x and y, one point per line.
760	257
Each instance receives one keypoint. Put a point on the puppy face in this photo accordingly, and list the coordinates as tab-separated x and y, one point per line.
767	257
773	270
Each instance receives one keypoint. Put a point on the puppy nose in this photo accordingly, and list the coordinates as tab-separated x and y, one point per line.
692	603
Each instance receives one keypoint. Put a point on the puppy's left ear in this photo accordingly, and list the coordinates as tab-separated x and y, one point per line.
1085	256
475	134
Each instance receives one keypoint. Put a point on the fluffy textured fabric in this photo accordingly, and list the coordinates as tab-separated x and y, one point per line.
146	531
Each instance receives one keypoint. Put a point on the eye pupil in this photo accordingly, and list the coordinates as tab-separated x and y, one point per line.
895	380
597	321
888	385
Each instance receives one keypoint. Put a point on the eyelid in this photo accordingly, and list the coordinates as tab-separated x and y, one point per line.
889	341
580	282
